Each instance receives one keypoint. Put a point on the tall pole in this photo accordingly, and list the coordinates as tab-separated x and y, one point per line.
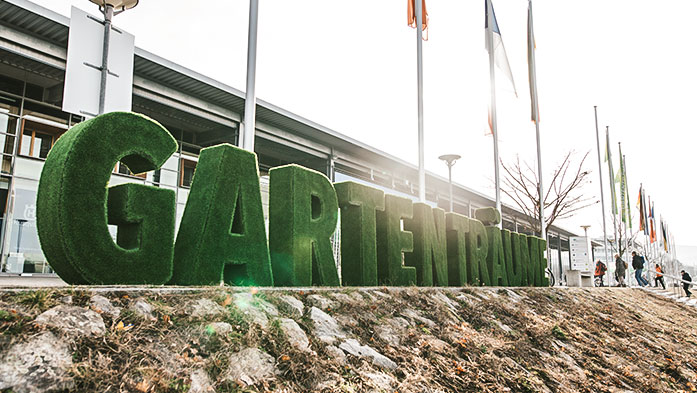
108	16
450	160
250	99
612	190
494	129
450	185
533	77
21	222
623	191
602	192
420	93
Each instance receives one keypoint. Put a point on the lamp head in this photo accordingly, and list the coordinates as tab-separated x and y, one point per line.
117	5
449	158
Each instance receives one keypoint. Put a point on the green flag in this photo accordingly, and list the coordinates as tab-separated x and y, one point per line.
626	188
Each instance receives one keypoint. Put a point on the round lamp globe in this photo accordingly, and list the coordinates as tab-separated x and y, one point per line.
119	5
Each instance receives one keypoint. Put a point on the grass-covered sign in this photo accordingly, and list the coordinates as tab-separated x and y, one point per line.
385	239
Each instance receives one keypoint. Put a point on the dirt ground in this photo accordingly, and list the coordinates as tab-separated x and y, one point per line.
442	340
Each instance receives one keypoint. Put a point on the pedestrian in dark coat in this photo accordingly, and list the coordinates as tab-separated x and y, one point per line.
686	286
638	265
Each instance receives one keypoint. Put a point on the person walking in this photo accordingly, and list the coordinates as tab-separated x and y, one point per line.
686	286
659	277
638	265
600	270
620	269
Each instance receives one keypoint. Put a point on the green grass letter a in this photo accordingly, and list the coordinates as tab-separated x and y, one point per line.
222	235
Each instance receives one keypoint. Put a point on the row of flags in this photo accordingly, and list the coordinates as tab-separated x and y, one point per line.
655	231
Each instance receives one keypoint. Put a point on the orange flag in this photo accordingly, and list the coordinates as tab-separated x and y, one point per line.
411	16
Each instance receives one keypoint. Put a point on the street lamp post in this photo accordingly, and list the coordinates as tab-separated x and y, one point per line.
590	244
109	8
21	222
450	160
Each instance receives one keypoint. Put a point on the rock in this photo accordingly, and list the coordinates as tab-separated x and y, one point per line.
102	305
341	297
255	309
246	299
381	381
368	294
143	309
329	382
392	330
200	382
294	307
467	299
38	365
66	299
347	320
255	316
443	299
326	328
434	344
219	328
353	347
357	297
381	294
75	321
296	336
336	354
506	329
515	297
322	302
415	316
201	308
250	366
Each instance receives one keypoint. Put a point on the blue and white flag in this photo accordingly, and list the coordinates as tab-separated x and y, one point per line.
495	43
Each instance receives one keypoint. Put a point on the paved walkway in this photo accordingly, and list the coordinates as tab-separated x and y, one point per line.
676	294
31	281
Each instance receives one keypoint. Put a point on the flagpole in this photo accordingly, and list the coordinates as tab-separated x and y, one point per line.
623	191
613	194
420	93
533	75
250	100
494	128
602	192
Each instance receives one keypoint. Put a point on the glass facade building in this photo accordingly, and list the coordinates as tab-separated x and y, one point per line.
199	112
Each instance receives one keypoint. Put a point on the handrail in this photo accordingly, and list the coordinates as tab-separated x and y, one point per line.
670	276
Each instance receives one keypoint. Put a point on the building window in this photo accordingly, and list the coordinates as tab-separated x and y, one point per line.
186	174
38	139
122	169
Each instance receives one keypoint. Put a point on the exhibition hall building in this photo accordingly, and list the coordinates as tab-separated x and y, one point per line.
199	112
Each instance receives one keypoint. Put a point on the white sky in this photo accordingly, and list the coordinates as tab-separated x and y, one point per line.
352	68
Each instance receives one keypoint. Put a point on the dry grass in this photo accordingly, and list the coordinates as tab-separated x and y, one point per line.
478	339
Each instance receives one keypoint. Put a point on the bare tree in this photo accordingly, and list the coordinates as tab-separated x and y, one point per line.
563	197
631	240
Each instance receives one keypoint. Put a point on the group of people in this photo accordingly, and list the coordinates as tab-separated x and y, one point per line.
638	262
